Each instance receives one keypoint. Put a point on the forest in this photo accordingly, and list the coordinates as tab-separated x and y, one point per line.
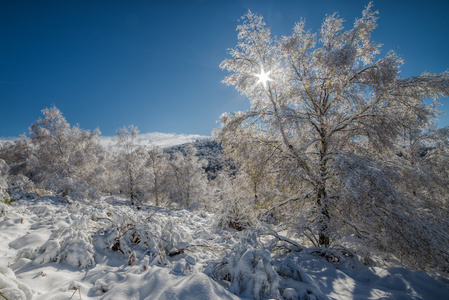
338	166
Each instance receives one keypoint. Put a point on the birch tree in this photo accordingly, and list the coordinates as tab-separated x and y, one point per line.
134	179
187	178
157	164
64	158
333	107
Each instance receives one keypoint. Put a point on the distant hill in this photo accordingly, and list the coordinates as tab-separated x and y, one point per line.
162	140
209	150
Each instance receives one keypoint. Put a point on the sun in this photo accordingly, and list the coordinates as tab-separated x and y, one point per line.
263	77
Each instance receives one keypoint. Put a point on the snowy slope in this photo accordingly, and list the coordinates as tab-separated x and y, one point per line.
162	140
52	248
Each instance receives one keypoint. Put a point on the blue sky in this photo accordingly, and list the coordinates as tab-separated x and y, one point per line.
154	64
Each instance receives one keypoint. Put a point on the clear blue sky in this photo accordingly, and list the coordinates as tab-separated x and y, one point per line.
154	64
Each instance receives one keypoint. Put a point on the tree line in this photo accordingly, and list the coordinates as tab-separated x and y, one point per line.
69	161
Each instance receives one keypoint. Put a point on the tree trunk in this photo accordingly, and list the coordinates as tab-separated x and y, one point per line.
323	212
156	189
323	217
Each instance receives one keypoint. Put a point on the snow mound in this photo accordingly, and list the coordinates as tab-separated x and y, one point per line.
11	288
158	283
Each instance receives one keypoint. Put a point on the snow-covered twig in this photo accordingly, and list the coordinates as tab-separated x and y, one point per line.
281	238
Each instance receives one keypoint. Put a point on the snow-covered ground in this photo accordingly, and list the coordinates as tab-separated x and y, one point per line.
52	248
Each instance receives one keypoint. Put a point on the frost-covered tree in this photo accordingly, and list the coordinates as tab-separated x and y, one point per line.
333	108
16	154
187	178
130	160
233	202
64	158
13	152
157	165
4	170
258	171
422	152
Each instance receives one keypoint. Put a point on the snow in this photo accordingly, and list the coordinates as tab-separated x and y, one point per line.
157	283
53	248
162	140
11	288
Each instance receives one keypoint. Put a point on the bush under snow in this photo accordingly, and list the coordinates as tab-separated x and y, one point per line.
152	253
11	288
72	245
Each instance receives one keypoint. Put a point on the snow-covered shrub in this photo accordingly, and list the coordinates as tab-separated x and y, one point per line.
173	238
248	270
3	209
3	183
76	189
233	214
129	230
252	273
72	245
76	248
289	270
236	206
4	168
11	288
4	197
19	187
118	233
